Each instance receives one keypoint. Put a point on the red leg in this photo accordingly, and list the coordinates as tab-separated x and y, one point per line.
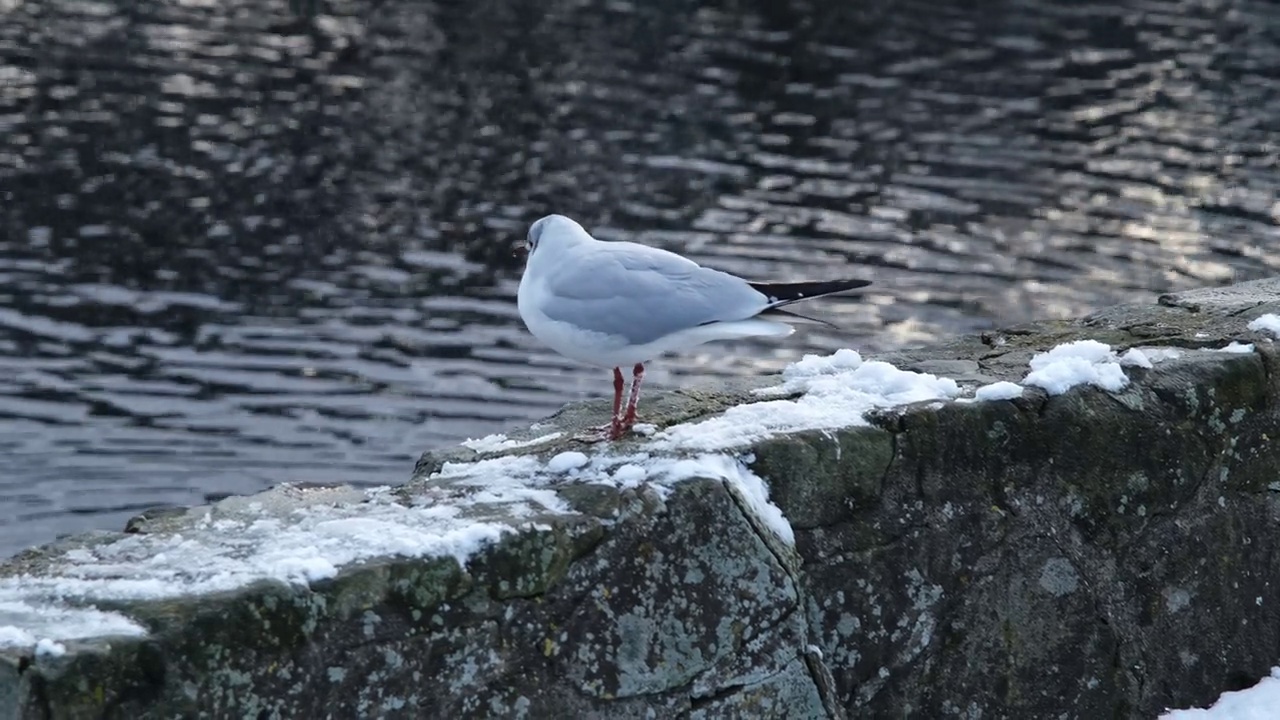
637	377
615	424
611	430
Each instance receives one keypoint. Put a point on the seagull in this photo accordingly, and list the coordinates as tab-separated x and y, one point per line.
619	304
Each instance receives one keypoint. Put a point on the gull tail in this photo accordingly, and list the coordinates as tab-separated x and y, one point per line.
780	294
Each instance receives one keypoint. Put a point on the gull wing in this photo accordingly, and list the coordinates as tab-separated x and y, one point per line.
642	294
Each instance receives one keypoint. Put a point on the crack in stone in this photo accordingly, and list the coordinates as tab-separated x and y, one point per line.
825	689
826	683
698	702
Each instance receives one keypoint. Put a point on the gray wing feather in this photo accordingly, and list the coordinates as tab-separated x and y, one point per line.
642	293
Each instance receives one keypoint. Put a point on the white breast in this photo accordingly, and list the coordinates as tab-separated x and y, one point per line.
573	342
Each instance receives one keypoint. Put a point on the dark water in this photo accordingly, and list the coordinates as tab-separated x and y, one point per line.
244	242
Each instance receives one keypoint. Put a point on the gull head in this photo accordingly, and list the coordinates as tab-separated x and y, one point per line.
553	231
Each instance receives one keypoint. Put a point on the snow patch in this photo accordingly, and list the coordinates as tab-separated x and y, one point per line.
1237	348
51	648
500	443
511	480
1160	354
629	475
662	472
1256	703
225	551
818	365
11	636
1002	390
566	461
26	625
1084	362
1267	323
1136	358
835	391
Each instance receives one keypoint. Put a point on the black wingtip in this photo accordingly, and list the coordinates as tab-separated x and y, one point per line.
793	315
785	293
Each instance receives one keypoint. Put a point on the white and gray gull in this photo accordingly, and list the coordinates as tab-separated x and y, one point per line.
614	304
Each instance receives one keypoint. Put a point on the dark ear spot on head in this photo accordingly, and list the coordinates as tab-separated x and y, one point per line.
535	232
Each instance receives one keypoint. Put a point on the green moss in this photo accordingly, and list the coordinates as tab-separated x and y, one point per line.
526	563
819	478
116	679
599	501
421	586
356	589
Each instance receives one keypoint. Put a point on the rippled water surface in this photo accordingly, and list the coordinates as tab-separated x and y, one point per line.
248	242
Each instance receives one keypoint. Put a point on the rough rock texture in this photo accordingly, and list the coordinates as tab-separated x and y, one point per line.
1090	555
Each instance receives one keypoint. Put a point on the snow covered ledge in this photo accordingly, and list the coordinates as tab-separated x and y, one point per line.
1070	517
